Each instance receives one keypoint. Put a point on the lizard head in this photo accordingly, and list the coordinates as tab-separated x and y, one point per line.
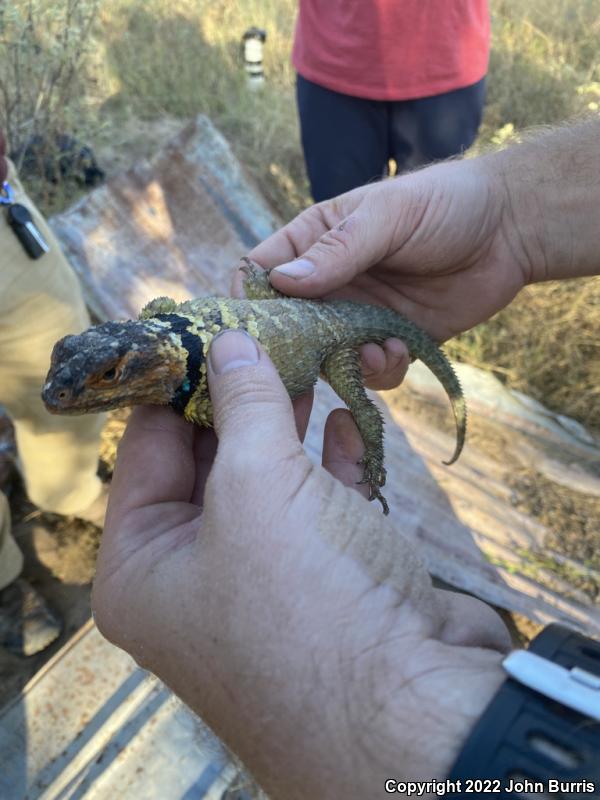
114	365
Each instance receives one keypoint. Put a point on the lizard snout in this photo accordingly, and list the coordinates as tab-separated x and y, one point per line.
56	397
60	392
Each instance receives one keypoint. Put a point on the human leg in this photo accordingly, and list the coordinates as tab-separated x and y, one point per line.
11	558
27	625
434	128
40	301
344	138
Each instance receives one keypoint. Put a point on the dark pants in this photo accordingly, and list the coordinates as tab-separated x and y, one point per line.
348	141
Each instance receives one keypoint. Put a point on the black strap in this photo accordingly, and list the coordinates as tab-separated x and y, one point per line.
525	738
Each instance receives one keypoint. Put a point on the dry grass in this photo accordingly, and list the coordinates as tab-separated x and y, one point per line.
544	69
209	79
546	345
153	60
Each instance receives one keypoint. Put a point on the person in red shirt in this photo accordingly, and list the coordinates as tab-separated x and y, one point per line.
387	79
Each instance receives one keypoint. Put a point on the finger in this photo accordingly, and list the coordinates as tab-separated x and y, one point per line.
342	450
205	449
469	622
252	409
302	232
384	367
155	461
205	444
302	407
293	239
351	246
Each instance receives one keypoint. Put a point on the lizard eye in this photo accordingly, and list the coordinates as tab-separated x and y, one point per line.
109	376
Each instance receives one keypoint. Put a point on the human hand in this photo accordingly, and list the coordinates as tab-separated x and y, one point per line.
450	245
433	245
279	604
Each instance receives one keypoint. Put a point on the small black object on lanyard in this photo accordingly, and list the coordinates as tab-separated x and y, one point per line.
20	220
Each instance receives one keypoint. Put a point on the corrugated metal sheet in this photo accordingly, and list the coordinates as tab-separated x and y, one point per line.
173	225
93	725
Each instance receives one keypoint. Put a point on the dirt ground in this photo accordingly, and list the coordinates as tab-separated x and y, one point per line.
60	554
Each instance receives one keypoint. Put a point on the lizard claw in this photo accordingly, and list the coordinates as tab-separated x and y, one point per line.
374	475
376	495
248	267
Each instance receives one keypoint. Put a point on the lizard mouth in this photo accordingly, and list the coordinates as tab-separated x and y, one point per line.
60	401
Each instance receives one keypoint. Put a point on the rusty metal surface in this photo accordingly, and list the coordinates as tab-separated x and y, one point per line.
92	724
173	225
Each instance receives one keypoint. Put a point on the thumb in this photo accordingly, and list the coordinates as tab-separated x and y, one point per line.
354	245
252	410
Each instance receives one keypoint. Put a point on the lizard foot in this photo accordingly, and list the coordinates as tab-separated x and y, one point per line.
249	268
374	475
256	283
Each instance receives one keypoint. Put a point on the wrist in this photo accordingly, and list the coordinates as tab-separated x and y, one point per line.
543	725
517	230
550	189
416	718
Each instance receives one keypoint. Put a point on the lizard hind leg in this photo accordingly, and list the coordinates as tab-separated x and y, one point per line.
256	283
343	373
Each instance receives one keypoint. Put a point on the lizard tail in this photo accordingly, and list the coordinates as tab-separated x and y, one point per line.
357	326
438	363
459	407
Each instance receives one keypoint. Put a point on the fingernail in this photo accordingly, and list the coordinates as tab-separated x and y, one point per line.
300	268
231	350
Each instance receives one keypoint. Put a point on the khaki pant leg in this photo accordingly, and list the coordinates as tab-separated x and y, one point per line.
40	302
11	558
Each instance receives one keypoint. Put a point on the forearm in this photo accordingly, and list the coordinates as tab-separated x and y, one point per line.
551	187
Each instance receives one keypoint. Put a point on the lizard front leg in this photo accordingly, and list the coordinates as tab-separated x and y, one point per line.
160	305
343	373
256	284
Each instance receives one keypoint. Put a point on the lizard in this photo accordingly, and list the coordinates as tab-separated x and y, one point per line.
160	358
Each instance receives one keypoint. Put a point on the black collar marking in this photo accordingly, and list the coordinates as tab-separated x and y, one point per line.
192	344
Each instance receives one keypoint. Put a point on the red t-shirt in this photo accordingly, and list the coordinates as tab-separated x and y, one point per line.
3	164
392	49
